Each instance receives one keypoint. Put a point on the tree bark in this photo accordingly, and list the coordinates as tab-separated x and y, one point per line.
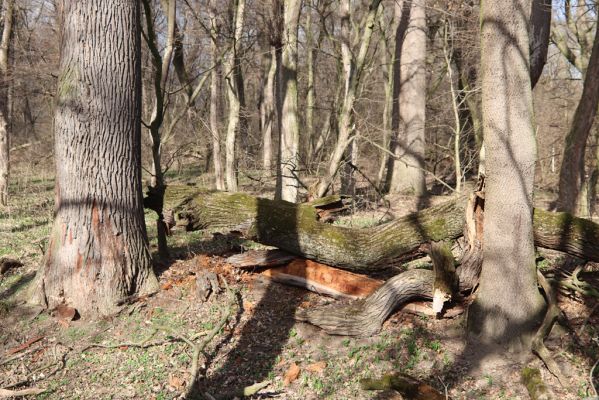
161	66
508	305
571	177
215	100
234	92
540	26
98	250
267	109
288	185
407	173
8	15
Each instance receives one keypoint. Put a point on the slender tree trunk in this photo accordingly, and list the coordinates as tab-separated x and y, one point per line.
215	100
98	250
388	61
161	65
289	139
408	170
347	62
345	116
540	25
310	97
267	109
4	101
571	176
508	305
234	95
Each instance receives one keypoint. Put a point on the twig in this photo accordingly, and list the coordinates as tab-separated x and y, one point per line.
199	348
5	393
591	378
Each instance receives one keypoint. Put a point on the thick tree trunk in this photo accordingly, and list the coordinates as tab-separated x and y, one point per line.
296	228
234	92
98	250
288	185
8	14
508	305
215	100
571	177
407	174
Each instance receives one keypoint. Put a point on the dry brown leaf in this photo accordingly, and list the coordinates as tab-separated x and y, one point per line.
166	286
291	374
317	366
176	382
248	306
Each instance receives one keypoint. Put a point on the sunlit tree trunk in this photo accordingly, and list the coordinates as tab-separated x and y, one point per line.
215	100
287	188
407	174
98	251
345	116
267	109
8	14
508	304
234	93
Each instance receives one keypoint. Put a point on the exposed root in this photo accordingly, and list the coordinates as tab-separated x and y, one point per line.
553	313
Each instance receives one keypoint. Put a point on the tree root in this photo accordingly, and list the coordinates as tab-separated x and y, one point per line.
553	313
366	317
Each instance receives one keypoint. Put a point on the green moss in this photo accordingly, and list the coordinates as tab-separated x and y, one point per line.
531	378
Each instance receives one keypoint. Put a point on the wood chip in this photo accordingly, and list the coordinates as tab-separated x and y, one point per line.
291	374
317	367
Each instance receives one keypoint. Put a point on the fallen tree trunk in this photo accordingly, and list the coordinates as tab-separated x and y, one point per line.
296	228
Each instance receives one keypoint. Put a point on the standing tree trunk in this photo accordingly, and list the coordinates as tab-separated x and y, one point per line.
407	174
508	304
160	64
215	100
571	177
234	92
267	109
98	250
4	101
387	61
345	116
310	97
289	139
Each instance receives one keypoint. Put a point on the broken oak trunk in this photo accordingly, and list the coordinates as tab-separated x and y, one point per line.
296	228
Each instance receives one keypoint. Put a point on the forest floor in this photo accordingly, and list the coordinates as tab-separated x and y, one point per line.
142	353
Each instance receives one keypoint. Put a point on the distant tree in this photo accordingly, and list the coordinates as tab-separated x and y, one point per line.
235	94
7	16
98	249
508	304
288	185
406	169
